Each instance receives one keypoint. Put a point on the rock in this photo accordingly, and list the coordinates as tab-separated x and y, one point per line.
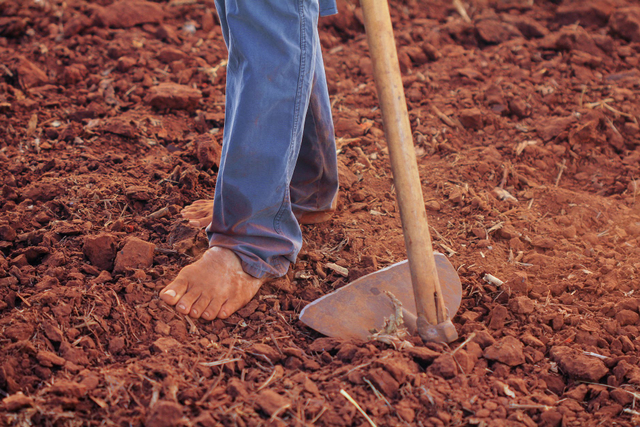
520	108
627	317
519	282
578	365
433	205
528	339
543	242
30	75
67	388
7	233
521	305
129	13
587	13
208	151
164	414
422	354
508	350
550	418
49	359
495	32
164	344
16	402
384	381
444	366
530	28
265	351
140	193
125	63
19	331
52	332
471	118
136	254
272	403
74	74
626	23
551	128
345	176
116	345
43	191
170	54
236	388
100	250
483	339
173	96
498	316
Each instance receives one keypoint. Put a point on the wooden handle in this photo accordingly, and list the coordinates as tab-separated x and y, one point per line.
386	70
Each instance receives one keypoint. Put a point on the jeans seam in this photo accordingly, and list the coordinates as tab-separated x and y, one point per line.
296	114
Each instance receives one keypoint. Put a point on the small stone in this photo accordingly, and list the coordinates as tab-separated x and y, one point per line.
627	317
49	359
508	350
444	366
588	13
484	339
550	418
67	388
543	242
19	331
578	365
422	354
100	250
16	402
498	316
116	345
384	382
522	305
30	75
433	205
129	13
52	332
125	63
265	351
345	176
272	403
164	414
7	233
173	96
494	32
136	254
626	22
519	282
170	54
164	344
471	118
208	151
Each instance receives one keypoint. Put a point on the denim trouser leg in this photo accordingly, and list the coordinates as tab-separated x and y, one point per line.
315	179
274	61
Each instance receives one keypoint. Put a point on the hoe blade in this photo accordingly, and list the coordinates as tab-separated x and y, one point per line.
352	311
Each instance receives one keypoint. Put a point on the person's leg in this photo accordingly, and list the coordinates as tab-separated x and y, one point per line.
272	50
314	186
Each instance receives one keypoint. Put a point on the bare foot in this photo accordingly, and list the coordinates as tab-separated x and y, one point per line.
200	214
215	286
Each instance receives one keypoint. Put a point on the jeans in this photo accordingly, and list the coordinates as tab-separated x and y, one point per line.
278	154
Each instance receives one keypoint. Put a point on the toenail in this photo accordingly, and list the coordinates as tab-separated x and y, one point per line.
182	306
171	293
206	314
194	312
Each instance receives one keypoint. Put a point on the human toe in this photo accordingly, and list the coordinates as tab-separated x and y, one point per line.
172	293
199	307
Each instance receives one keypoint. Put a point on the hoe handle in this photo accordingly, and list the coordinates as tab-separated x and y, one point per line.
386	70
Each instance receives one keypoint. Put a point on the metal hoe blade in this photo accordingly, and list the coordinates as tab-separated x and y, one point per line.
354	310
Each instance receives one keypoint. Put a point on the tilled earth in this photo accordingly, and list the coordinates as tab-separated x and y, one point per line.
525	116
